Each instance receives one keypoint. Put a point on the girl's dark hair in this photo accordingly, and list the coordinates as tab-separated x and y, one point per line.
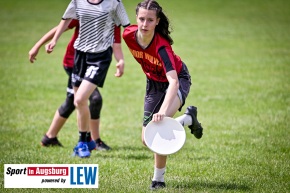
163	26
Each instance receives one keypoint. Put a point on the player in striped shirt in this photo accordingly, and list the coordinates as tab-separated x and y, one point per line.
93	53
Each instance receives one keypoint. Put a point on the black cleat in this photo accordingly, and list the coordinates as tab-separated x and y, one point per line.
157	185
46	141
102	146
196	128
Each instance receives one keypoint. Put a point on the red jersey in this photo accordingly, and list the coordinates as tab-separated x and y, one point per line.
157	59
68	60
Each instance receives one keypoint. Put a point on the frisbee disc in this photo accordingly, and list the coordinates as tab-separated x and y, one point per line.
164	137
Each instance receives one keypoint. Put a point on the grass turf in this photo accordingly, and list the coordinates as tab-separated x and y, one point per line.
238	53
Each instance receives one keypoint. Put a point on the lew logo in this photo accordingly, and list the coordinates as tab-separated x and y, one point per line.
51	175
83	175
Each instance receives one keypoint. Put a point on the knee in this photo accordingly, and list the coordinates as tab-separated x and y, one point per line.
78	102
66	108
96	103
142	138
143	141
96	99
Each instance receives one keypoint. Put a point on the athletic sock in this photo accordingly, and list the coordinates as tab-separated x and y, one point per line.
82	136
158	174
184	120
88	137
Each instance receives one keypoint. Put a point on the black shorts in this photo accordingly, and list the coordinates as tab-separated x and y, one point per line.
92	67
155	93
69	89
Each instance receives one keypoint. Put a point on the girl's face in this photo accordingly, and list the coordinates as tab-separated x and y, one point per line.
147	21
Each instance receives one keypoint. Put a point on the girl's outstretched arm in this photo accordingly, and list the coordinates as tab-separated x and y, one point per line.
45	38
118	53
63	25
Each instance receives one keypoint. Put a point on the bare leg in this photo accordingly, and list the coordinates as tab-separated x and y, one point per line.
82	95
160	161
55	125
95	128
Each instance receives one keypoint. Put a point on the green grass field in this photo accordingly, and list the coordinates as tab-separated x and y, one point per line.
238	53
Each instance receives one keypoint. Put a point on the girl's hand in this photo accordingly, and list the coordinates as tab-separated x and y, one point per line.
49	47
120	68
158	117
32	54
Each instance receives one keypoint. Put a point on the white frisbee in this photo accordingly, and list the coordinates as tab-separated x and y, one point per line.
164	137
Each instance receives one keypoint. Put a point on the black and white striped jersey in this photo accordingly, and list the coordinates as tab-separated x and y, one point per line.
97	23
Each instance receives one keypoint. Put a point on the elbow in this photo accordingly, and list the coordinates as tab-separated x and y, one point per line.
175	84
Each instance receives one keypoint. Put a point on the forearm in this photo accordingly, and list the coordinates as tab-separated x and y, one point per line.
118	53
170	96
117	50
63	26
48	36
169	105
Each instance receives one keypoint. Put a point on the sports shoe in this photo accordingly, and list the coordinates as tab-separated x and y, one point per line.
100	145
196	128
91	145
47	142
157	185
82	150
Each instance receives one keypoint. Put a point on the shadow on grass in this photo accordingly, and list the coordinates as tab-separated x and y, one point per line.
129	152
214	186
129	148
137	157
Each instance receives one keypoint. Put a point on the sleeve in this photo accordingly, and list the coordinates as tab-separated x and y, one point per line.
70	12
117	34
74	23
121	15
166	55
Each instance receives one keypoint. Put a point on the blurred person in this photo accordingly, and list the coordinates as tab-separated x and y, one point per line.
93	54
168	79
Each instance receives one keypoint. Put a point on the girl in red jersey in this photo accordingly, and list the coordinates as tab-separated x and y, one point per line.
168	80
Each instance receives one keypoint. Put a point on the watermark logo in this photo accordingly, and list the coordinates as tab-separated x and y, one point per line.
51	176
